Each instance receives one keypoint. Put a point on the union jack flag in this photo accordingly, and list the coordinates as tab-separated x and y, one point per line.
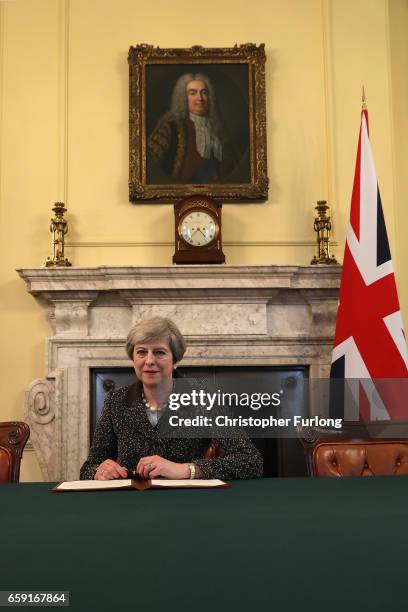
369	343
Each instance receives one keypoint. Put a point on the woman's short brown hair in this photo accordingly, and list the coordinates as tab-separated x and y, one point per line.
151	329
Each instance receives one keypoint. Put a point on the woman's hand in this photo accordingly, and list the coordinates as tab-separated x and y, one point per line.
154	466
109	470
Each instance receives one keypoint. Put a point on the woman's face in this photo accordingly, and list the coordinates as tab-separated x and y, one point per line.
153	362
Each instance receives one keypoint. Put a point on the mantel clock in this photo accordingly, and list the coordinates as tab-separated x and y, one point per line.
198	231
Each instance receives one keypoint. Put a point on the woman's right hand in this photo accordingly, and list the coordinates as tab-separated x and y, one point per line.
109	470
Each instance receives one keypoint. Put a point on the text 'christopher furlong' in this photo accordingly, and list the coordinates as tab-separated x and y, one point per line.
227	421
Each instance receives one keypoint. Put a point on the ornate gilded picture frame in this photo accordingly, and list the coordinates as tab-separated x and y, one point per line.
197	123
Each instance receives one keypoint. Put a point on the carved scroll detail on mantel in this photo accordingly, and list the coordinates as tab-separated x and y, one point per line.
230	315
42	403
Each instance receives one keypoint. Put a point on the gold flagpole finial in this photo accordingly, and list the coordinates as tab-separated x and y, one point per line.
363	100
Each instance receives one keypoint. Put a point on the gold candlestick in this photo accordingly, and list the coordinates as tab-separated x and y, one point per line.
58	229
322	226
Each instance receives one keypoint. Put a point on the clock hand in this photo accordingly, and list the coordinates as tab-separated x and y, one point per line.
198	230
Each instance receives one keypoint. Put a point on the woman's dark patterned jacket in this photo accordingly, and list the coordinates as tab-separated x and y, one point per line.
125	434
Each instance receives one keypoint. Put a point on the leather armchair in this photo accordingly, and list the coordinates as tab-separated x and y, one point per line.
357	450
13	438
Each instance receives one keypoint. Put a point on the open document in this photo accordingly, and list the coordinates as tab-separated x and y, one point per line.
139	485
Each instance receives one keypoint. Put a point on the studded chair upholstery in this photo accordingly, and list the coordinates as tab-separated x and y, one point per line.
358	451
13	438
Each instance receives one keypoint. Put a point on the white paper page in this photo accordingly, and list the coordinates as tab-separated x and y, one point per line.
187	483
94	484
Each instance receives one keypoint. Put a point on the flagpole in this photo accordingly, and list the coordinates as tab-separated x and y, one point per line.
363	100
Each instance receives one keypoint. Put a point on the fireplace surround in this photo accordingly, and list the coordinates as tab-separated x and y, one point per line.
231	315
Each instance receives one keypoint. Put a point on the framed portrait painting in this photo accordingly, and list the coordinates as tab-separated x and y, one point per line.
197	123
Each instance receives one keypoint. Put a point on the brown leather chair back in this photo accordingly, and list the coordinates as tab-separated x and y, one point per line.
359	449
13	438
363	458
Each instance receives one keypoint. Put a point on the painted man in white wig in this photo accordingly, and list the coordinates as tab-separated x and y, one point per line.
188	143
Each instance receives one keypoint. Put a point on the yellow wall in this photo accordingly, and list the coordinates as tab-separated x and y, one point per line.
399	82
64	136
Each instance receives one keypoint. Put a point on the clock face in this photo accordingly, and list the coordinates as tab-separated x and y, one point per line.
198	228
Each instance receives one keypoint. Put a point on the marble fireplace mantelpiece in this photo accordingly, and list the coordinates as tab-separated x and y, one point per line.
230	315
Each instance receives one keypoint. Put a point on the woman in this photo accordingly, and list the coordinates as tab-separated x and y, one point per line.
126	437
